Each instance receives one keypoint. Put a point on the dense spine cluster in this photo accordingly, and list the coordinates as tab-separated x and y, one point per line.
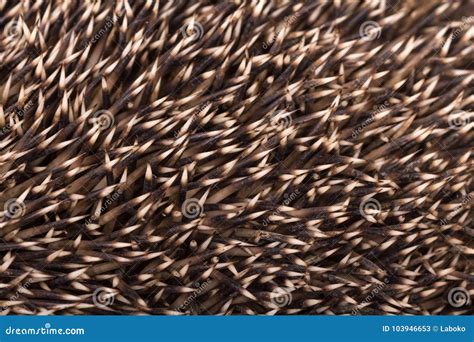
236	157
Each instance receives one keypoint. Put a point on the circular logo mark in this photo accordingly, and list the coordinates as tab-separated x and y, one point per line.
13	29
369	30
458	297
281	297
103	119
103	297
14	208
192	30
281	119
458	119
191	208
370	207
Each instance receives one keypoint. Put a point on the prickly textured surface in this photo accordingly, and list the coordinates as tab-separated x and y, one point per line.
241	158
